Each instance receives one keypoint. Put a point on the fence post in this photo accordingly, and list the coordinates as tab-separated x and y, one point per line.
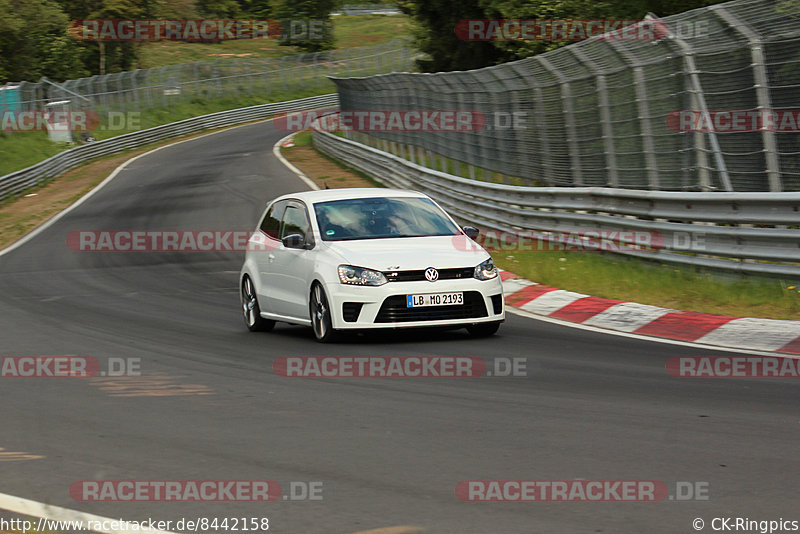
546	165
690	68
513	168
644	112
569	121
605	114
762	92
481	146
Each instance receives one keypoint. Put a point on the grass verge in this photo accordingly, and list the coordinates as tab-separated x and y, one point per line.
21	150
611	276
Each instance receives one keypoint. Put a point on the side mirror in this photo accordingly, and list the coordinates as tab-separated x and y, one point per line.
294	241
471	232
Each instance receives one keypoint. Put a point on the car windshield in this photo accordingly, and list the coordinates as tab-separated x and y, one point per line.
381	217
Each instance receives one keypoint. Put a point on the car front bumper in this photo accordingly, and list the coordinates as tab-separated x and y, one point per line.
384	306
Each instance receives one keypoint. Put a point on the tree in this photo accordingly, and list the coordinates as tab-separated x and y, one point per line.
257	9
435	35
436	21
177	9
102	57
34	42
220	9
306	24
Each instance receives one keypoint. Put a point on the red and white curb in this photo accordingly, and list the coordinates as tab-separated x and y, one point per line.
770	335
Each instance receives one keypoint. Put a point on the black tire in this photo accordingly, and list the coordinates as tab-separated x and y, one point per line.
251	310
483	329
320	314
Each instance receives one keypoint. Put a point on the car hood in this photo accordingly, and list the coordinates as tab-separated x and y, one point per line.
410	253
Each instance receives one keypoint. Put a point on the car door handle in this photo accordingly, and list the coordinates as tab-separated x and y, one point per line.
271	257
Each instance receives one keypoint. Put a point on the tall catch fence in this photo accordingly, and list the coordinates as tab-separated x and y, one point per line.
597	112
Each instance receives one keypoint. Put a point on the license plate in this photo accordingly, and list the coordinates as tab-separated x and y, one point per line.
434	299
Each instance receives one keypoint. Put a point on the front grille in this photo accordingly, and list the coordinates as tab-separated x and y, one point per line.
351	311
394	310
497	304
415	276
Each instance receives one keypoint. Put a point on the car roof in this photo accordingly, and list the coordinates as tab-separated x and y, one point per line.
324	195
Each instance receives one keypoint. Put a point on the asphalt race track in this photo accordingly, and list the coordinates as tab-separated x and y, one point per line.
389	452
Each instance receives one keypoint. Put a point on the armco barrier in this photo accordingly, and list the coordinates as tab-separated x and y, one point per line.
14	183
741	232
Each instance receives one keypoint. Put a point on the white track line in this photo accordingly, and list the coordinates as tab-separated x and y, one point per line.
56	513
276	151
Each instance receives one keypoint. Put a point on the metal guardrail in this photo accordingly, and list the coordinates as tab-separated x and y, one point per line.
753	233
14	183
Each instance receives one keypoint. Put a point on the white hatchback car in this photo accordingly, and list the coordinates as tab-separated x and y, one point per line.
358	259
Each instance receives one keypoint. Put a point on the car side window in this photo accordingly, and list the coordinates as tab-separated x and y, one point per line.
272	221
295	221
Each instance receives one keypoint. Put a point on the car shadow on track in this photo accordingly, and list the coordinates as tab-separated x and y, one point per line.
380	337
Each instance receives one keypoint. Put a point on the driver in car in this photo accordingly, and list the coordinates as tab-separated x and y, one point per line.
379	225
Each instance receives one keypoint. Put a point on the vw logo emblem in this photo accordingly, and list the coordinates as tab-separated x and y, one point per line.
431	274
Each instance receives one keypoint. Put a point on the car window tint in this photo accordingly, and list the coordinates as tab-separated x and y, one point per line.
294	222
379	217
272	222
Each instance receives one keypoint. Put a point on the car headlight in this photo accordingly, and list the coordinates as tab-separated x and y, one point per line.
486	270
358	276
